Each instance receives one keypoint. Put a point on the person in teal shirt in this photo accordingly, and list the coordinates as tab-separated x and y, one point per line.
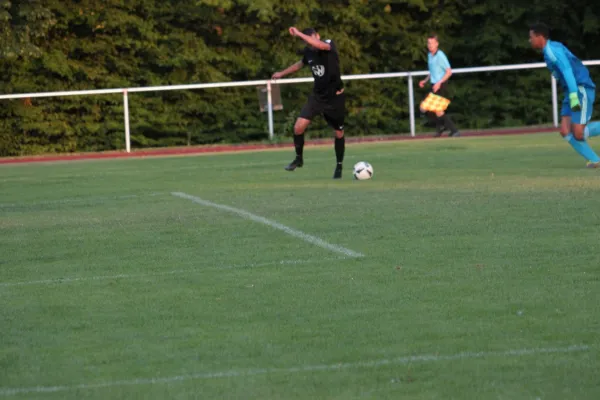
579	89
439	74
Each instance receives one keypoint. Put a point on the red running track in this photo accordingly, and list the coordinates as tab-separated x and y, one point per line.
175	151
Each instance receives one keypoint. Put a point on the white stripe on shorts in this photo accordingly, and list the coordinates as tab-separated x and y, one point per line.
584	105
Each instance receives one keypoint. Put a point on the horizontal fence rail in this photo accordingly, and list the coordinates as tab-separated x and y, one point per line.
268	83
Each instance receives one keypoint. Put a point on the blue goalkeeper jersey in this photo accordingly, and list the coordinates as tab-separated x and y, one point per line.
568	70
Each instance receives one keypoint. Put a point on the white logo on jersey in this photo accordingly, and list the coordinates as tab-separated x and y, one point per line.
318	70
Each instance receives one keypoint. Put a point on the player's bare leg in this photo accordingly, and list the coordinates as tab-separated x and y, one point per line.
565	126
299	129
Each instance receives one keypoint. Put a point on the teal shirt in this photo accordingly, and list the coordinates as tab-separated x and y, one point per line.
568	70
438	64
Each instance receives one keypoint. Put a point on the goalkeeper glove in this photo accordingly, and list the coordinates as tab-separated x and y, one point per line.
574	102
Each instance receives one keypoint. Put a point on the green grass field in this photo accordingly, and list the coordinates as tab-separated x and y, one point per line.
480	275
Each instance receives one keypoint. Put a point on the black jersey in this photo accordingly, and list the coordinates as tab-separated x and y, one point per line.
325	66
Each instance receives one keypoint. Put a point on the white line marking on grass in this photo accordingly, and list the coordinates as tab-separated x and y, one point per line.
273	224
299	369
164	273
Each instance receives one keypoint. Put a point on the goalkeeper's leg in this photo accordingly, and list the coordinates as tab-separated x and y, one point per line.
573	134
592	129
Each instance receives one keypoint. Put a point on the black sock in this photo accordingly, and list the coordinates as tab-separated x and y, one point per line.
449	124
299	145
439	124
431	118
340	146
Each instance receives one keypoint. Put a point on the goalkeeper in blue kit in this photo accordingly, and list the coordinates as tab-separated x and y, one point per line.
580	93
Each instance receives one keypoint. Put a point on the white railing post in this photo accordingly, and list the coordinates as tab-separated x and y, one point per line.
270	109
554	102
411	104
126	112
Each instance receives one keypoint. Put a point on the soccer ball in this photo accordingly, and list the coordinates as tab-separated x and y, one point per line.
363	171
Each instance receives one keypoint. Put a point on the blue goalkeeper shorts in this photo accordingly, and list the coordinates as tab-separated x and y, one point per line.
587	97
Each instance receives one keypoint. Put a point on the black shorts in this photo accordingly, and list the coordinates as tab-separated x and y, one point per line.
333	110
444	92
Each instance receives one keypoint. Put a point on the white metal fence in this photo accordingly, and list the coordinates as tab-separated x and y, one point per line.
268	83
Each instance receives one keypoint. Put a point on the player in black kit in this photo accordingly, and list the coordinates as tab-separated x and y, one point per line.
328	98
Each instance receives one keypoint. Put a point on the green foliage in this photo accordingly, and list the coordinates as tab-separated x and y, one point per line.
86	44
22	24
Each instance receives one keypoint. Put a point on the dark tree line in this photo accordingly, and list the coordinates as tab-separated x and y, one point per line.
56	45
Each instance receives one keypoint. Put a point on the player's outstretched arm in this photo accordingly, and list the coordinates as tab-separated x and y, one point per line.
560	61
447	75
444	63
289	70
445	78
314	42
